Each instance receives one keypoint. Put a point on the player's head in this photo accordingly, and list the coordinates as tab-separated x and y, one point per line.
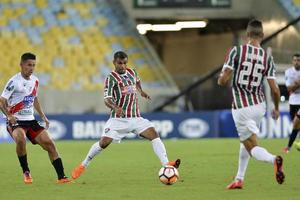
296	60
255	30
120	62
28	61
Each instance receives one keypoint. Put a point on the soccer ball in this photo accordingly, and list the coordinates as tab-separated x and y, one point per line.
168	175
297	145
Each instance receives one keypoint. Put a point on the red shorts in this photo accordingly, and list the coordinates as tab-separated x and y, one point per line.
32	129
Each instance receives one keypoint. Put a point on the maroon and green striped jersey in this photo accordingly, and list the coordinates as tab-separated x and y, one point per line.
250	65
122	89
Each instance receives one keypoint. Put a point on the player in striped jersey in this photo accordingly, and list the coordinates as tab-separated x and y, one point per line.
120	95
17	102
248	65
292	82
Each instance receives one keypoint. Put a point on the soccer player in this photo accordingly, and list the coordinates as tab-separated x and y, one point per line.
249	64
17	102
120	95
292	77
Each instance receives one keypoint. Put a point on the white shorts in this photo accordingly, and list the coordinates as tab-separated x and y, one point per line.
247	120
118	128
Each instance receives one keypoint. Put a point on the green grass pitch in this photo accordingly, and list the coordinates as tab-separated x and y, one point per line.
130	171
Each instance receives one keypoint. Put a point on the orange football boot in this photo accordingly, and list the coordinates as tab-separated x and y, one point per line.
236	184
27	177
63	180
175	163
78	171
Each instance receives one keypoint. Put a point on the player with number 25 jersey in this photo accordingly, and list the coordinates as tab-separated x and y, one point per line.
250	64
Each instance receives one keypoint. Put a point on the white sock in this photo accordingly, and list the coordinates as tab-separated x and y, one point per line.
160	151
94	150
262	154
243	162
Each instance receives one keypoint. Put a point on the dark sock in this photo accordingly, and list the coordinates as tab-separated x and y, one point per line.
23	163
57	164
292	137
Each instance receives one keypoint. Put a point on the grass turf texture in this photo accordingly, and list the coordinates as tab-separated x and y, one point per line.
130	171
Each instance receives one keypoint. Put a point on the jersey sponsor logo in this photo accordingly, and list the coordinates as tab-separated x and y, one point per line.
129	89
193	128
25	112
9	86
28	100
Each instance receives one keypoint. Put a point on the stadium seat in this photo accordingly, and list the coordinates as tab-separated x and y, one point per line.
74	42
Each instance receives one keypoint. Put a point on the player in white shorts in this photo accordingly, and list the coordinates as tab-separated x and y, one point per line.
292	82
17	102
248	65
120	95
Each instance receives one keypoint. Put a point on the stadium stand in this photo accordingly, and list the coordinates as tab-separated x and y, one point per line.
74	41
292	7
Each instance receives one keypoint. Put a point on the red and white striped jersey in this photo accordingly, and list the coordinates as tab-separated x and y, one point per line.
122	89
250	65
20	94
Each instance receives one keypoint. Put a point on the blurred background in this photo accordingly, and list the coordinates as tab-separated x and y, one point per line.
177	47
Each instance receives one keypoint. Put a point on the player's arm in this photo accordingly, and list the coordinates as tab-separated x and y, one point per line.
3	107
108	99
294	86
110	104
37	106
224	76
275	92
140	90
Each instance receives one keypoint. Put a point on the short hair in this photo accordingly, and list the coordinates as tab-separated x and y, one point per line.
296	55
255	29
27	56
120	55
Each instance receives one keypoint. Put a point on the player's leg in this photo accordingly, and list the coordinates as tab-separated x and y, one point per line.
19	137
257	152
48	145
261	154
95	149
158	147
243	163
293	136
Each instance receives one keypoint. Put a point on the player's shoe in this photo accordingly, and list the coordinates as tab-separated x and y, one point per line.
175	163
63	180
27	177
236	184
278	168
78	171
286	150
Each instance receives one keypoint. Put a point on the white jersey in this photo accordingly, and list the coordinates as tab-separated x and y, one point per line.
291	75
20	94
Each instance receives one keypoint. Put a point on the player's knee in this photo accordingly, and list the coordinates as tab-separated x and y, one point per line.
20	141
104	143
152	135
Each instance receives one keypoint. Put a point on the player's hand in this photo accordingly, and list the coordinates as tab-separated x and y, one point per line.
275	114
47	123
145	95
119	111
297	82
12	120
